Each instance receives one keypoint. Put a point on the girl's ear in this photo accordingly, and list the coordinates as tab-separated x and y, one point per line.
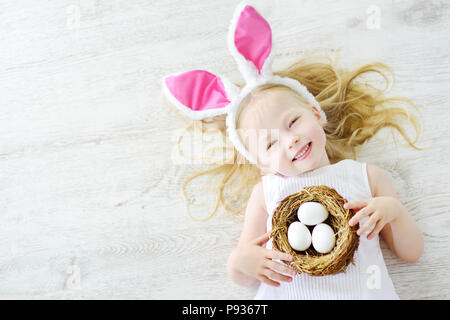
318	115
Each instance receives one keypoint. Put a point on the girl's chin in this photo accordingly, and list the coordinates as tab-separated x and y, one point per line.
304	166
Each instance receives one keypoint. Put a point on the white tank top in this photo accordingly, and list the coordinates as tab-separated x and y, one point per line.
368	278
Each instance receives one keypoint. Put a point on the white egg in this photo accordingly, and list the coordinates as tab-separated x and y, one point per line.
312	213
299	236
323	238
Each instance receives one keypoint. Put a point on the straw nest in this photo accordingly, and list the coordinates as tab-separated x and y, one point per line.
311	261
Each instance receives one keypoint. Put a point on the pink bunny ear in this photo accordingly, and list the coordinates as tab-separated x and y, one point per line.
250	40
197	93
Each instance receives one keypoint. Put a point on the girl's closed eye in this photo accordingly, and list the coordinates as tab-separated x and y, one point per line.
270	144
290	125
293	121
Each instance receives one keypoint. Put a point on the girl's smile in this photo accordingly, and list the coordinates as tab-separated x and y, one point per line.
303	153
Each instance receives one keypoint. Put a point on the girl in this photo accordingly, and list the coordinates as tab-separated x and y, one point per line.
300	127
298	157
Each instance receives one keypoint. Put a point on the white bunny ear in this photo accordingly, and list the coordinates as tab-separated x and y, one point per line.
250	42
199	94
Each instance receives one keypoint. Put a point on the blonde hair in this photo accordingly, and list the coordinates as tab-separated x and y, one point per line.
355	111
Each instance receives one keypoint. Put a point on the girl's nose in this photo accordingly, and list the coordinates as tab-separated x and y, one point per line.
294	142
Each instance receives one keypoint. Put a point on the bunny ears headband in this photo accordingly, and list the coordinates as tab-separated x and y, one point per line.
199	94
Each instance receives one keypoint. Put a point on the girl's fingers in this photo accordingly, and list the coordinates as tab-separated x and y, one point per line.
380	224
274	254
367	225
356	204
262	239
268	281
275	275
359	215
281	267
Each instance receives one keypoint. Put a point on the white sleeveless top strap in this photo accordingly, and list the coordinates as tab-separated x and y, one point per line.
368	278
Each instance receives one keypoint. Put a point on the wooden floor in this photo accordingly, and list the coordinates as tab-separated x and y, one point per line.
90	200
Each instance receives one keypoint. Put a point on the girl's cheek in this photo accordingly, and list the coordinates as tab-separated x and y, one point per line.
317	133
308	133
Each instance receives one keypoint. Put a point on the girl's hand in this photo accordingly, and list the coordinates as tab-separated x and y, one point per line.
255	261
381	210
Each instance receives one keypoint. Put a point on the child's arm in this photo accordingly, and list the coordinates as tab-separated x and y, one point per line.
396	226
250	261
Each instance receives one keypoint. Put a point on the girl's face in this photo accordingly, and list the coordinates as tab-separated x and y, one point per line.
285	135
